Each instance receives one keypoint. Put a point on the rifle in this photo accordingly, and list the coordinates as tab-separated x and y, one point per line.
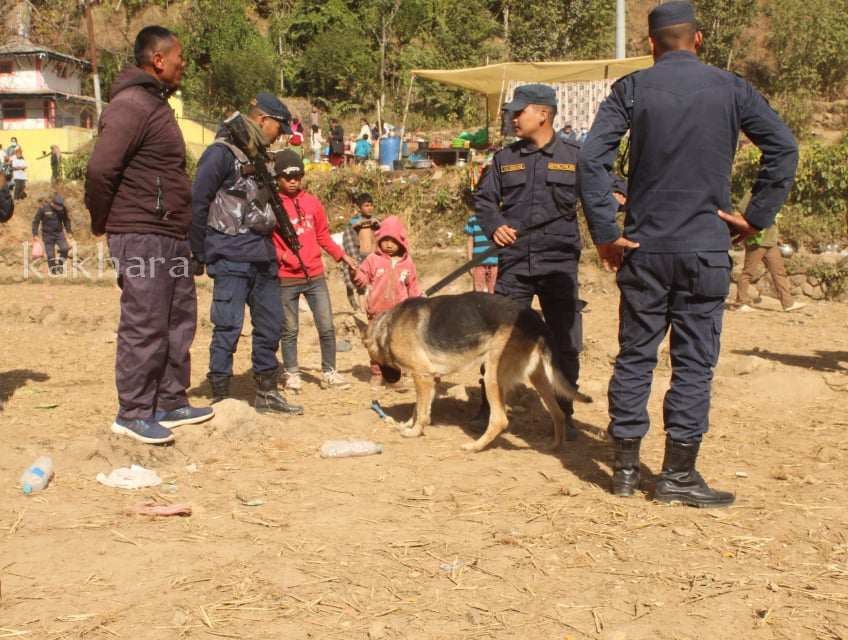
259	160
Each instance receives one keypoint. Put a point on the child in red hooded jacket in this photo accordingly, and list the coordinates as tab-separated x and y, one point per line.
390	275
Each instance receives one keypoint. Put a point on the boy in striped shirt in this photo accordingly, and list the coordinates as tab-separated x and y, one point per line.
485	274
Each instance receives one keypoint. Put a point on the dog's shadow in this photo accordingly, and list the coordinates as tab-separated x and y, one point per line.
589	457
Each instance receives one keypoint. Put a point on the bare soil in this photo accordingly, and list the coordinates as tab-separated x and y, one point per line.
423	541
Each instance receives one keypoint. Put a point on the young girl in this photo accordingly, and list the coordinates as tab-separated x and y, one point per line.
390	275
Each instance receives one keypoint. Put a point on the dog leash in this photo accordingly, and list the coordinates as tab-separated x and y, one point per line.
481	257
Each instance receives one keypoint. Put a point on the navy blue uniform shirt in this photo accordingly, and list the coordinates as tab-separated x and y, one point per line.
526	186
684	118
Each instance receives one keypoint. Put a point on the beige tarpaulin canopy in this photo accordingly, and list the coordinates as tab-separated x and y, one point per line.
492	80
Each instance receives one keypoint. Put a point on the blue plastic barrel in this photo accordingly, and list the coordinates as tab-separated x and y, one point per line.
389	151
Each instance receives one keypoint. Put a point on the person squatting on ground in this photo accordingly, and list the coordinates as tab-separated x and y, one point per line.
53	218
358	242
231	231
138	193
484	275
527	203
762	248
310	222
672	262
389	274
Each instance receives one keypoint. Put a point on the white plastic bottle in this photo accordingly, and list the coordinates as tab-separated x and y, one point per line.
37	475
349	448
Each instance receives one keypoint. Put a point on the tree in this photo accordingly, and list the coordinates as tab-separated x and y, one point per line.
229	61
561	29
808	39
723	22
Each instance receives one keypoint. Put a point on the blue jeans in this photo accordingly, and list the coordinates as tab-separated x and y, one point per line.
318	298
237	284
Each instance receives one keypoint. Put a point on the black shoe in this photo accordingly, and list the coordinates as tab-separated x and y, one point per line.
220	387
680	482
625	467
269	399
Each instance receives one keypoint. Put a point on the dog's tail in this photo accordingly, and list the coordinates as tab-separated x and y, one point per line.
562	387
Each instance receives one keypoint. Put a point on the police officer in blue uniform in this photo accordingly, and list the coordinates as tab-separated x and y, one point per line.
54	220
232	224
673	269
526	203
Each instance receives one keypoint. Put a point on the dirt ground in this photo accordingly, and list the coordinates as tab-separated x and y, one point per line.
424	541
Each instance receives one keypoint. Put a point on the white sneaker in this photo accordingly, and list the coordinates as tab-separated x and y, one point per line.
744	308
293	381
795	306
332	379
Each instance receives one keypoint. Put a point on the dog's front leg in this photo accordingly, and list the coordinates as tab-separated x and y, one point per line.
425	390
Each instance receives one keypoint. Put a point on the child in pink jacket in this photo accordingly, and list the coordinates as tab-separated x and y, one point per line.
390	275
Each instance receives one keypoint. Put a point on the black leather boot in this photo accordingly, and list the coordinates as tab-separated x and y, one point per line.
220	387
269	399
625	467
680	482
480	421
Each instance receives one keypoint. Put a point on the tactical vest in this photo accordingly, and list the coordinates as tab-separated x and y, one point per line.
244	206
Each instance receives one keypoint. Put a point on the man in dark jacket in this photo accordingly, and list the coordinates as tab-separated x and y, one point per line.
139	194
672	264
231	230
7	203
53	219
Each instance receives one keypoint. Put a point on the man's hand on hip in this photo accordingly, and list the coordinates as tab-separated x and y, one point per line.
505	235
740	228
612	253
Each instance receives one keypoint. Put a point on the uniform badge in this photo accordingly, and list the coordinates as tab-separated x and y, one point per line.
508	168
561	166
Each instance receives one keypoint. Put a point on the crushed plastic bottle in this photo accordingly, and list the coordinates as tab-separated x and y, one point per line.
349	448
37	475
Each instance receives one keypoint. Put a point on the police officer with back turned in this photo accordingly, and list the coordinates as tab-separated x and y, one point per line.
672	265
526	203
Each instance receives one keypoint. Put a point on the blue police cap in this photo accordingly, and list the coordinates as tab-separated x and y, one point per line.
273	108
531	94
665	15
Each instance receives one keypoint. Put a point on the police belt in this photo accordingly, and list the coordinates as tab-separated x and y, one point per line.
481	257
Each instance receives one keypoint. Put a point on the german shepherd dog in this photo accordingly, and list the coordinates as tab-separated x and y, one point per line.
429	337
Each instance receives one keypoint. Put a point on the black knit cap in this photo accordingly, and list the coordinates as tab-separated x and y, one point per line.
287	163
671	13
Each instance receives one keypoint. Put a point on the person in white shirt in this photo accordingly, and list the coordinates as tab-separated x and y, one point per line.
317	143
364	130
19	175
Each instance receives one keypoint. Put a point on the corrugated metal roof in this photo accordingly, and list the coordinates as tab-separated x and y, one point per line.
20	46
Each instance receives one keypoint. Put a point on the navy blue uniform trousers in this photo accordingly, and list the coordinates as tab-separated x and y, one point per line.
683	292
237	284
561	308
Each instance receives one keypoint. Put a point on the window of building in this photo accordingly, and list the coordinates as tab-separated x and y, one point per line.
6	67
14	110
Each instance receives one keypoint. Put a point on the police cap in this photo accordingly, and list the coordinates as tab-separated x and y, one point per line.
671	13
531	94
272	107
